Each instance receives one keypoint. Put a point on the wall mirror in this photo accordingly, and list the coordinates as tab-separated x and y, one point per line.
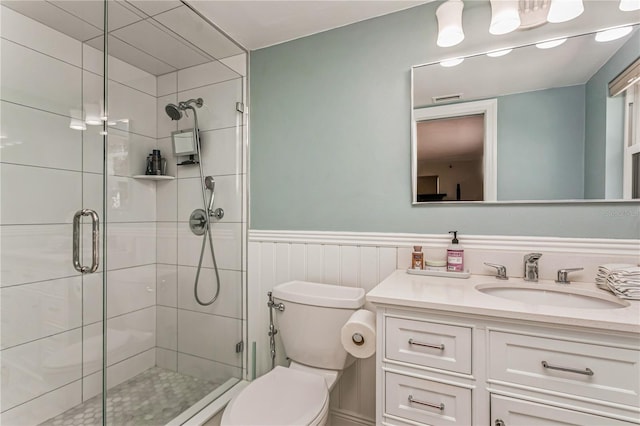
184	142
553	133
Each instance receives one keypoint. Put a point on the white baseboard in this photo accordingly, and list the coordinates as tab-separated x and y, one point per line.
347	418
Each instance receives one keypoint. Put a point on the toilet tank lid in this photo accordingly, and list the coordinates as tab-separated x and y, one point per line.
326	295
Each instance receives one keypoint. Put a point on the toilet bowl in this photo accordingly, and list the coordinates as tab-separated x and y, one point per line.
310	330
284	396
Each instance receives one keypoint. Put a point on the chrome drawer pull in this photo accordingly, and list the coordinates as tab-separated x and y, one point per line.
586	371
426	345
428	404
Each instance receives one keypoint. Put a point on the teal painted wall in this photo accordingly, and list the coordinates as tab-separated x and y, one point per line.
541	145
330	139
603	146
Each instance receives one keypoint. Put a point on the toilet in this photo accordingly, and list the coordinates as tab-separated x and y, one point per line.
309	328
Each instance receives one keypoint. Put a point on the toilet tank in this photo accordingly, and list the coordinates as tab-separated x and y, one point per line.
312	319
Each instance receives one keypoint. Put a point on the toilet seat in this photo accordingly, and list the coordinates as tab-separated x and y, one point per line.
281	397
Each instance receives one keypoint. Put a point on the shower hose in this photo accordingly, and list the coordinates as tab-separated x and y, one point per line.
207	235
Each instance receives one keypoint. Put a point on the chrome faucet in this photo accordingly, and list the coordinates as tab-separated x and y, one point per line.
563	275
531	266
501	270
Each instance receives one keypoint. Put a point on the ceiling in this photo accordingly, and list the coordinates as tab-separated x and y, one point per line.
258	24
158	36
161	36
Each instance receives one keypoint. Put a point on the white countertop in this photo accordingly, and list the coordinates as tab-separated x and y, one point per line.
456	295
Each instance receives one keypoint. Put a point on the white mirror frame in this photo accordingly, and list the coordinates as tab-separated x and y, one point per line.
489	108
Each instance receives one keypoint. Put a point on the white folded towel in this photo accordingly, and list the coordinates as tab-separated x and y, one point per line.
621	279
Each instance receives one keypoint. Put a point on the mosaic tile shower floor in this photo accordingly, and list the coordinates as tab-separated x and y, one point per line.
151	398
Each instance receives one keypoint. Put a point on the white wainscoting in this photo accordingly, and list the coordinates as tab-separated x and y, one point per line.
365	259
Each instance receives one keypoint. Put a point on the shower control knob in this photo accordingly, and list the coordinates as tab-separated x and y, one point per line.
217	213
198	222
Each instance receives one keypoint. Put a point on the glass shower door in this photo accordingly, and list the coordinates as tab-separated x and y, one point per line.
51	212
127	342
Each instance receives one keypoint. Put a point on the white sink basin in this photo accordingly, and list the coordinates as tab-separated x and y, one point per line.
552	295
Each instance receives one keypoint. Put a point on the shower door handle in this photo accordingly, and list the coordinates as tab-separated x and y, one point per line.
95	241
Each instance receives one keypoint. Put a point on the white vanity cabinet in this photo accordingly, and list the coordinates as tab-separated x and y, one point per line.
456	369
436	368
450	355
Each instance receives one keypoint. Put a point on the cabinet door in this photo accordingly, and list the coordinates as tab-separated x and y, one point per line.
507	411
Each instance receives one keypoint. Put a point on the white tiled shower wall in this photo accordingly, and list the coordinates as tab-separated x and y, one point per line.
51	315
193	339
364	260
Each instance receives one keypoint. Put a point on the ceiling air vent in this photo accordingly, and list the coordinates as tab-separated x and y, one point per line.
447	98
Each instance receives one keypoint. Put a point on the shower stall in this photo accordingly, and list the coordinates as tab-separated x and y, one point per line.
102	321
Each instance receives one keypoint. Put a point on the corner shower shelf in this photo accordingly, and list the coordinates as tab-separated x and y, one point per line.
154	177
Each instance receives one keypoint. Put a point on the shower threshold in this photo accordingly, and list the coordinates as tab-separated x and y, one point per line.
153	397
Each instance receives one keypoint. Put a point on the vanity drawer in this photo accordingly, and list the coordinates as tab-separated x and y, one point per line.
517	412
426	401
447	347
583	369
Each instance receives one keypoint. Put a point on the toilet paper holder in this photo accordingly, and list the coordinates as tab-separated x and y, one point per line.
358	339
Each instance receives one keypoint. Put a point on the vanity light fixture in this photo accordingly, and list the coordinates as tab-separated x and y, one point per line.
93	121
551	43
92	115
449	16
498	53
613	33
505	16
447	63
629	5
564	10
76	123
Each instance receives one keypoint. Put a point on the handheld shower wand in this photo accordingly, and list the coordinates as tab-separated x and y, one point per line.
210	184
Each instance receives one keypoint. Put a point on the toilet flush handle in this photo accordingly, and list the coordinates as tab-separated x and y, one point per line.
272	304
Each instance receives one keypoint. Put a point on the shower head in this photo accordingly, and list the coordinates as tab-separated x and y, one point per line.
173	111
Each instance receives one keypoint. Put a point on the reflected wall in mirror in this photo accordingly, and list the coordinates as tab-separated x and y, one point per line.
455	148
559	135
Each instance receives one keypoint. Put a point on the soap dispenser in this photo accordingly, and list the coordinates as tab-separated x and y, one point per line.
455	254
417	258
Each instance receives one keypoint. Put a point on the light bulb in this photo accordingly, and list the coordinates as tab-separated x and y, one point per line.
504	16
77	124
613	34
564	10
550	44
498	53
451	62
449	16
629	5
